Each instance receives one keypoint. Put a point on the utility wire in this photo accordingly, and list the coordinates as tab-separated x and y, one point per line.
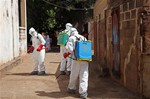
66	7
54	4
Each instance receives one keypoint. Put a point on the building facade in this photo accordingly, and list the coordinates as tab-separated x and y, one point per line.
121	39
13	37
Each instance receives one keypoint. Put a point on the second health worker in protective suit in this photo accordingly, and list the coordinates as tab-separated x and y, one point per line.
78	68
38	49
65	62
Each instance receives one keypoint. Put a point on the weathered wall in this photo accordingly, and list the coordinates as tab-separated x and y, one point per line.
145	35
146	76
22	41
129	45
10	36
90	31
131	62
9	30
22	28
99	17
109	39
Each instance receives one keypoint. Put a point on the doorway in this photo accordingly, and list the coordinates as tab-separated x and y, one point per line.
116	43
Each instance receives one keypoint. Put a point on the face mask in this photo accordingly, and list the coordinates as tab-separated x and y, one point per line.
34	34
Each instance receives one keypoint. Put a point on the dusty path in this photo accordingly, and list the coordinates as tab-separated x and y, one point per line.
19	84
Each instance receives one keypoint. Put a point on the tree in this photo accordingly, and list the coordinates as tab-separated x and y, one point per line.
40	15
47	15
76	11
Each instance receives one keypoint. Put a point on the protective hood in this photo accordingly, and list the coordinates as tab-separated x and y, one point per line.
32	32
74	31
68	26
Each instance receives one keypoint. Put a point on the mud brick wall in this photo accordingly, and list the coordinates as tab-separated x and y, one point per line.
99	18
146	52
129	45
135	71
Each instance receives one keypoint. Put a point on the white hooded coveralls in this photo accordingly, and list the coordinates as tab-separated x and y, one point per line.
38	57
65	62
78	68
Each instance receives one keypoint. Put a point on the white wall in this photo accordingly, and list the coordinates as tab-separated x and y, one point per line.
9	30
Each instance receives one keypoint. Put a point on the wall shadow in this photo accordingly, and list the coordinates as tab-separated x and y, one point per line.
101	87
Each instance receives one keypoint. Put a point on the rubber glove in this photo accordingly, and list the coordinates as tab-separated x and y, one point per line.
40	47
66	54
30	49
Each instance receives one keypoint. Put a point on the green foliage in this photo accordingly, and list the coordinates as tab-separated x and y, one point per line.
51	21
40	15
45	15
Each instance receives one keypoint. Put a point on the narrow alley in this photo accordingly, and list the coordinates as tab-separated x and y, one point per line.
17	83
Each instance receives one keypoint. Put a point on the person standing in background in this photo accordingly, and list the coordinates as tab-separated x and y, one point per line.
48	43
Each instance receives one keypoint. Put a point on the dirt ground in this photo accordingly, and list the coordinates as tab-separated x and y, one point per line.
17	83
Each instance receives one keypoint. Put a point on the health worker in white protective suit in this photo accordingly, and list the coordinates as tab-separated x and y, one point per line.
38	49
78	68
65	62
